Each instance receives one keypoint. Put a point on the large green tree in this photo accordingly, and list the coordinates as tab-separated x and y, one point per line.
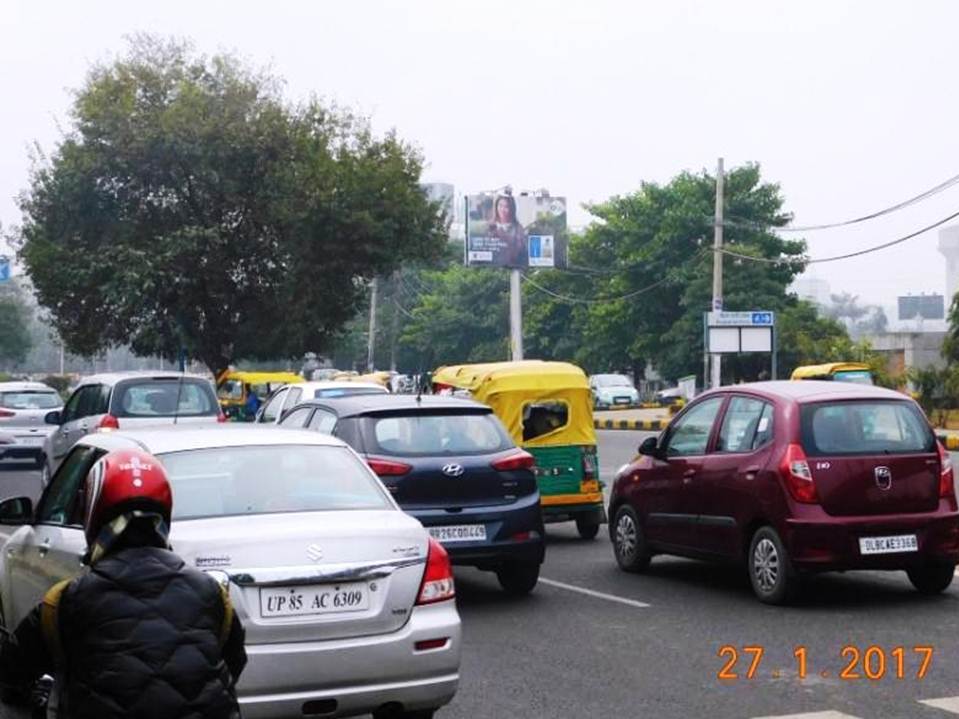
190	206
14	331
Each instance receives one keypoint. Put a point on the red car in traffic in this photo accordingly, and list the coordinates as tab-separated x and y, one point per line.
791	478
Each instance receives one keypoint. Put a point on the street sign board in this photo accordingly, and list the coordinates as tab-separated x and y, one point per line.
736	332
4	269
755	318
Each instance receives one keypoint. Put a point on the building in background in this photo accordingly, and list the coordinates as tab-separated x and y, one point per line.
812	289
445	194
949	247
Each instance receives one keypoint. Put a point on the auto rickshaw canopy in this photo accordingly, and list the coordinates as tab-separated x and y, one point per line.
512	388
828	370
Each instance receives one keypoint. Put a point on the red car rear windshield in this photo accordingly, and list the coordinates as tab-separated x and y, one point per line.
866	427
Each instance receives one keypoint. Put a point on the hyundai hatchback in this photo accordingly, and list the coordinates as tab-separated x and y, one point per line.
791	478
450	463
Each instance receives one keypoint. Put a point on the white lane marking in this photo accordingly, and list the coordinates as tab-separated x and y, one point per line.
949	704
810	715
592	593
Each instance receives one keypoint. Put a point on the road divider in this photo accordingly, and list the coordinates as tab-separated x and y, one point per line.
949	441
642	425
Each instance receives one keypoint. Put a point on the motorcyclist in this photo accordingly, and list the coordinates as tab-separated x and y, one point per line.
141	634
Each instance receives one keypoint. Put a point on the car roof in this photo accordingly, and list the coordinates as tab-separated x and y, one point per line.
112	378
339	384
166	439
351	405
803	391
18	386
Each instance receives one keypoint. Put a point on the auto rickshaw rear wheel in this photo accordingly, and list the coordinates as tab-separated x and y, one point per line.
587	527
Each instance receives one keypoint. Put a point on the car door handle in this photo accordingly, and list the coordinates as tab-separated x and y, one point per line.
688	476
751	471
44	547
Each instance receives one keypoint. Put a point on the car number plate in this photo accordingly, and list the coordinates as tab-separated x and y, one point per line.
621	400
459	533
34	441
888	545
317	599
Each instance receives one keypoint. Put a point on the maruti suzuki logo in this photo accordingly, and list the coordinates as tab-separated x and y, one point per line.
453	470
883	478
314	552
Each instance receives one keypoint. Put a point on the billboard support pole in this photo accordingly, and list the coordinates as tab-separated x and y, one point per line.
515	315
718	266
371	342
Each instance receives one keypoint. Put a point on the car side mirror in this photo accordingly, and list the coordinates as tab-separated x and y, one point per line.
52	417
650	447
18	510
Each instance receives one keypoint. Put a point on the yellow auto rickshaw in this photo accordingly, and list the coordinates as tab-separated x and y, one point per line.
856	372
233	389
547	407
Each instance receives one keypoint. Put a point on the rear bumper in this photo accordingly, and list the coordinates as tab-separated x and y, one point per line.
833	543
502	524
21	451
359	675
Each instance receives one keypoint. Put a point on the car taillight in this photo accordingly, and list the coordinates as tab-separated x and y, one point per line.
589	466
797	475
108	423
437	583
221	417
388	468
6	413
947	477
516	460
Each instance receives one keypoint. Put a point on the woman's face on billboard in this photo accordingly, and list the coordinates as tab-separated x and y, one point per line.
503	213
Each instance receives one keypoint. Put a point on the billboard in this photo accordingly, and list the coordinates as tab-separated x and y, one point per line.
926	307
516	231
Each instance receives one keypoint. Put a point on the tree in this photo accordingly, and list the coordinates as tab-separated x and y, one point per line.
14	331
190	207
859	319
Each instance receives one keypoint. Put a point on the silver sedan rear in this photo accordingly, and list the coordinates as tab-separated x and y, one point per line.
347	603
23	406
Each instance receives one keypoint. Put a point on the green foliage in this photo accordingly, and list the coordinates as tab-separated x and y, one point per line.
59	382
190	206
14	331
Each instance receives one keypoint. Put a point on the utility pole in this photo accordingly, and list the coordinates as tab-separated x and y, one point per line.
515	316
372	338
718	267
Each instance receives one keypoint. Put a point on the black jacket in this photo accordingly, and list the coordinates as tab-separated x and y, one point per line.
141	637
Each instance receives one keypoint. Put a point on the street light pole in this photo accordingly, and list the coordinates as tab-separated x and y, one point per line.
515	316
718	267
371	342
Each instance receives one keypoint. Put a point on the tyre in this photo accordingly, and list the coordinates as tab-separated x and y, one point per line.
771	574
587	528
392	713
629	543
931	578
518	578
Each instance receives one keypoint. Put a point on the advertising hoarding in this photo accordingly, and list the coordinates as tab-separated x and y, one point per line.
516	231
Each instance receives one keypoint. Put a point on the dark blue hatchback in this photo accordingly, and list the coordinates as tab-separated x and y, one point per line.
451	464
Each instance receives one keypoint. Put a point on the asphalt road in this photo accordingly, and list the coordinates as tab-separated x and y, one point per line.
592	641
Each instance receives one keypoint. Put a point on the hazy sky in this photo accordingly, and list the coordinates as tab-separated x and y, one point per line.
850	106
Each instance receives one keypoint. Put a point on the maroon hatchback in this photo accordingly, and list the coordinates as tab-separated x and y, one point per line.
789	478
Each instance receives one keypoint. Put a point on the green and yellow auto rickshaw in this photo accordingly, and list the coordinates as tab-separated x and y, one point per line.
547	407
233	389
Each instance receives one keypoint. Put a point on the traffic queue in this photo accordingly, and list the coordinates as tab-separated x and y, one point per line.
331	523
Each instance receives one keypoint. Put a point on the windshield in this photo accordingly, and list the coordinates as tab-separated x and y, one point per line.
230	481
612	380
876	427
164	398
857	376
438	434
30	399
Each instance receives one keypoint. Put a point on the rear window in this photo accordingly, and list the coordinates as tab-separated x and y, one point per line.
343	392
164	398
30	399
541	418
230	481
437	434
857	376
845	428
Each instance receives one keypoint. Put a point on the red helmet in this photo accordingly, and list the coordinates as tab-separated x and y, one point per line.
121	481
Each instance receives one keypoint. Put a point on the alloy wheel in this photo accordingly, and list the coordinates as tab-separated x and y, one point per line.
766	565
625	536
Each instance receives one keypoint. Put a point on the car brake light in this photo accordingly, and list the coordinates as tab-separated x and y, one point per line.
221	417
6	413
388	468
516	460
108	423
437	583
797	475
589	466
947	483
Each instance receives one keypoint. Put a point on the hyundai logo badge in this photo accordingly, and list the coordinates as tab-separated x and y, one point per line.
883	478
453	470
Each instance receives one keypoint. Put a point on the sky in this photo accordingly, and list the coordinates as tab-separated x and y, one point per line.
849	106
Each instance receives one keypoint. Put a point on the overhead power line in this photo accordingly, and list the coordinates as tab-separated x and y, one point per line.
942	186
595	300
846	256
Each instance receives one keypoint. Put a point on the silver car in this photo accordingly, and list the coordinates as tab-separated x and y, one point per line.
347	603
127	400
288	396
23	407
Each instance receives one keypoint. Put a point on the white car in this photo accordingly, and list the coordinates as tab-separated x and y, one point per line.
347	603
613	390
23	409
290	395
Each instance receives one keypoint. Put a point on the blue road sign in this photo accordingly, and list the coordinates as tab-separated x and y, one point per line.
762	318
4	269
